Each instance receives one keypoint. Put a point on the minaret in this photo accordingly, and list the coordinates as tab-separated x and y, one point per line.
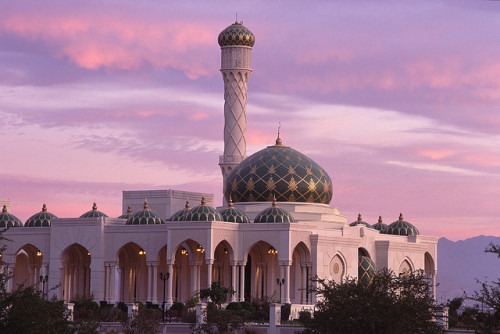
236	43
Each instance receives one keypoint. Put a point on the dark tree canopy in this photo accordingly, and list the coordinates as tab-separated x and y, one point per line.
389	304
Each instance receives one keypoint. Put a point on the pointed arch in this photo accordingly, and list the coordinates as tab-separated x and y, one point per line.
133	273
300	274
261	271
27	266
76	271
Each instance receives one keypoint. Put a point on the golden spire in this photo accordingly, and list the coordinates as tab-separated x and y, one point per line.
230	202
275	204
94	207
359	218
44	208
4	210
203	201
401	217
129	210
187	206
379	220
146	206
278	140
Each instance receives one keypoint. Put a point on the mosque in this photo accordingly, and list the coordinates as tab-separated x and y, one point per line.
275	232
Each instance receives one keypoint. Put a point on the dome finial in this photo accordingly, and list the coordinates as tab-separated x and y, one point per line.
203	201
4	209
401	217
94	206
275	204
230	202
278	140
129	210
146	206
44	208
359	217
379	220
187	206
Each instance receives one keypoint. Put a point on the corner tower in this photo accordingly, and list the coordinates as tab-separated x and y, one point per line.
236	43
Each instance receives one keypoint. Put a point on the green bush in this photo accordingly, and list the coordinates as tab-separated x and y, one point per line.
179	308
305	317
235	306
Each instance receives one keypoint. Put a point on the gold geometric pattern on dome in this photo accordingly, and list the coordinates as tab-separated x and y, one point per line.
40	219
280	171
94	213
236	34
9	220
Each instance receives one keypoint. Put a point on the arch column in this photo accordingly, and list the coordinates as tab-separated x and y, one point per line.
286	287
210	263
242	282
234	282
169	300
152	282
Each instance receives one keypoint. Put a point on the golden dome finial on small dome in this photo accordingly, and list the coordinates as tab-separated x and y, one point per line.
379	220
44	208
146	206
129	210
359	217
279	142
401	217
94	206
4	209
203	201
275	204
187	206
230	202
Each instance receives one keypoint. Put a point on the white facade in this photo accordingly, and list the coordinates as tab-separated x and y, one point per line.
119	262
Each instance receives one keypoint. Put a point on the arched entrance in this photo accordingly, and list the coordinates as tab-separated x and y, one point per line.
190	270
27	268
300	275
76	272
261	272
133	273
430	272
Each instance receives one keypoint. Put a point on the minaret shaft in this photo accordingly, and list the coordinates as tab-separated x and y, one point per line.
236	69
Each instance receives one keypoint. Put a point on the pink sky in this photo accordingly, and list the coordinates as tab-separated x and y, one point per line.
399	102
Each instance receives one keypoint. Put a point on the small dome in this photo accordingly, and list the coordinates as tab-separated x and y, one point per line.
366	270
274	215
282	172
94	213
401	227
145	217
380	226
179	214
360	222
230	214
203	213
236	34
9	220
41	218
128	214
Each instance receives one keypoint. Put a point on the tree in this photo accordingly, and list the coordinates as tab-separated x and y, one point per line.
217	293
389	304
24	310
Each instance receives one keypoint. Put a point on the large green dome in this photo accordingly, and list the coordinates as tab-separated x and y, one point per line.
41	218
236	34
282	172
